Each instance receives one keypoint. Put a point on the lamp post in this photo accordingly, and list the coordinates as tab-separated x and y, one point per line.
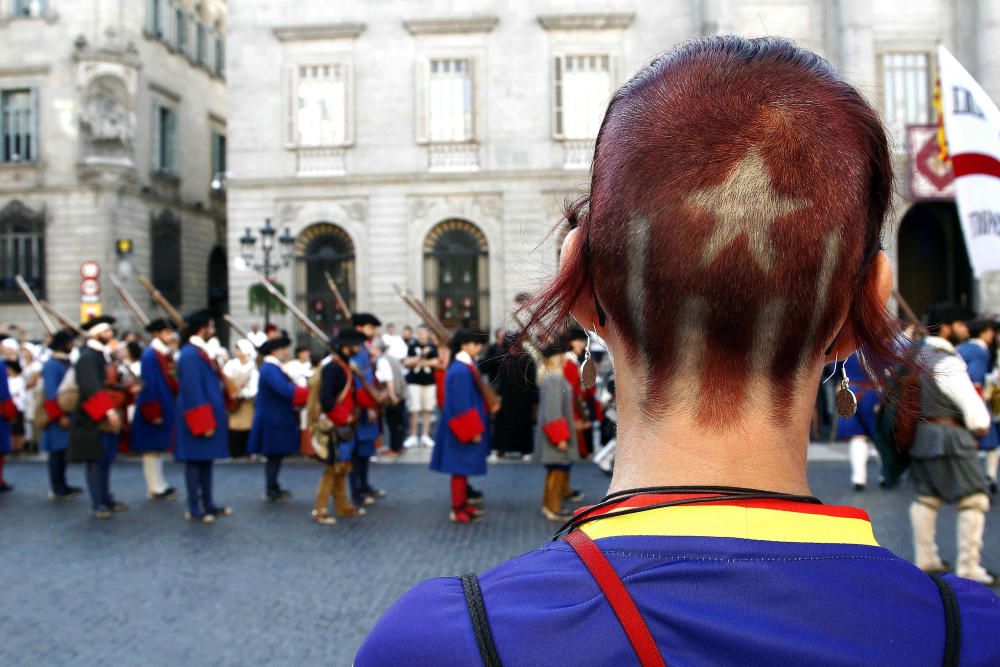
286	247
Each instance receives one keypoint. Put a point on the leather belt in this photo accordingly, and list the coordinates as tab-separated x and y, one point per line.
946	421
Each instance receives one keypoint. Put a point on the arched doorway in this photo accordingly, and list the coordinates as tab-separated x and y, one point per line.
324	249
456	274
218	291
933	262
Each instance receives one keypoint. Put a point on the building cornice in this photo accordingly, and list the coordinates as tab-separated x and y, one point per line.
440	26
299	33
165	92
24	70
572	178
609	21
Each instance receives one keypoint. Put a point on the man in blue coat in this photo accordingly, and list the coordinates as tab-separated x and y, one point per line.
275	430
978	355
463	439
202	431
8	411
369	424
153	429
55	436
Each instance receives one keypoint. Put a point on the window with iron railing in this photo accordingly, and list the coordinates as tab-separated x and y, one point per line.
906	90
22	251
581	87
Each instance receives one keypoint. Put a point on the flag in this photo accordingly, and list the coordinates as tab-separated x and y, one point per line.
972	128
939	110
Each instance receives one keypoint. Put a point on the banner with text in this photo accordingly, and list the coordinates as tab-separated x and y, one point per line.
972	129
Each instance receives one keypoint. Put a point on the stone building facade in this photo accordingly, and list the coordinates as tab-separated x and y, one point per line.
113	123
418	145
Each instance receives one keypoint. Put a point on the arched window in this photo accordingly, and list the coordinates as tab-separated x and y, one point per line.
22	250
324	249
456	274
165	239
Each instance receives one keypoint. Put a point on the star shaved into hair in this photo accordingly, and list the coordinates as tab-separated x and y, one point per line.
746	204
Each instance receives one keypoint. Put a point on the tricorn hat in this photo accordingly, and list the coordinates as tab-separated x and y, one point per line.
361	319
271	346
159	324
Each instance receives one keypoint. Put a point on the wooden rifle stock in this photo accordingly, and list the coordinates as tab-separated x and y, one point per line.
33	300
161	300
128	301
341	304
909	312
235	327
377	394
63	320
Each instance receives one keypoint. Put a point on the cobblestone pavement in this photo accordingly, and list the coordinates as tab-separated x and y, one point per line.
267	586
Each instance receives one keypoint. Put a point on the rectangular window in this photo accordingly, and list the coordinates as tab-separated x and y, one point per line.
449	100
22	251
218	153
321	105
201	52
906	84
28	8
18	125
156	9
581	89
220	55
180	30
165	141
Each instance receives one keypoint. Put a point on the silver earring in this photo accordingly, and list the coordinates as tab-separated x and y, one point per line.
588	371
846	401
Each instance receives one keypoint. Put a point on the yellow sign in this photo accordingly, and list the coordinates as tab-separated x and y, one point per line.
88	311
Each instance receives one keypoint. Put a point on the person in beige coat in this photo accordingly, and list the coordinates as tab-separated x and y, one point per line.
242	369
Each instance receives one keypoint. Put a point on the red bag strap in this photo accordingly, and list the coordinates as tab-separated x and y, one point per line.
618	596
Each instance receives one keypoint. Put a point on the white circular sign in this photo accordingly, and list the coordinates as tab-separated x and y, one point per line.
90	269
90	287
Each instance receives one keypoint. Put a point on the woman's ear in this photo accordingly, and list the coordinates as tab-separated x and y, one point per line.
880	279
584	308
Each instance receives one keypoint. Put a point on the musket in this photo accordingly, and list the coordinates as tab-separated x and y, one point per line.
490	398
161	300
341	304
909	311
129	302
63	320
377	394
37	307
236	327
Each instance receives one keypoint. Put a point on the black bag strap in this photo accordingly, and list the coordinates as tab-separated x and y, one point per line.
480	624
952	621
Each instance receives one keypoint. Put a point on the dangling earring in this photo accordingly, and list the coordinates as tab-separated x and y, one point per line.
845	400
588	371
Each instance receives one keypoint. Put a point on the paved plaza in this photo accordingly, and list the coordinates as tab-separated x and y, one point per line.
267	586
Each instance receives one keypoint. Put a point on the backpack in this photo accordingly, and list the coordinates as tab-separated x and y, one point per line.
40	419
896	423
68	393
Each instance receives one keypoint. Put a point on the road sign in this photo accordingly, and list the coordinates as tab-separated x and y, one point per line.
90	269
90	287
88	311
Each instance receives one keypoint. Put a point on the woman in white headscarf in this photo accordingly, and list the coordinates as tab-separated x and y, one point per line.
242	370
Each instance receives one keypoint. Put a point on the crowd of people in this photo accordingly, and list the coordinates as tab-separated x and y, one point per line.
374	395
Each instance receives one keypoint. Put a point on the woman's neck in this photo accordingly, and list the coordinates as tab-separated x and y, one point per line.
754	451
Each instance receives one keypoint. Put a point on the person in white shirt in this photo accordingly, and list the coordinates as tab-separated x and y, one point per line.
242	369
945	453
390	373
394	343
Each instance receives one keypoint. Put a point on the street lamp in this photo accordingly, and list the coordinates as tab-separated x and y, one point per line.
286	248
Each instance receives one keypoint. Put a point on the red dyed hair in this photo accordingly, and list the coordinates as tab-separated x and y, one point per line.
760	120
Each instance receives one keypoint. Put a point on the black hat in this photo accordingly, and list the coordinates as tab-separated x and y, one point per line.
361	319
347	337
576	333
463	336
198	319
552	349
62	339
270	346
159	324
946	313
977	327
94	321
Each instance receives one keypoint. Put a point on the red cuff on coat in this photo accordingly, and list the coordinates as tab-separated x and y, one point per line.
151	411
98	405
200	420
365	400
8	410
300	396
556	431
341	414
467	425
53	410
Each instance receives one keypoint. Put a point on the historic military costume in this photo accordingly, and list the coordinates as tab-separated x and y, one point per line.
859	430
555	438
201	429
514	377
462	442
55	435
275	430
8	411
332	415
369	423
153	426
96	422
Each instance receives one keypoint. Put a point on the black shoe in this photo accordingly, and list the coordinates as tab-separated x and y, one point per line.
62	497
74	490
220	511
118	507
374	493
993	487
858	488
281	496
575	496
103	513
167	494
5	487
199	518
